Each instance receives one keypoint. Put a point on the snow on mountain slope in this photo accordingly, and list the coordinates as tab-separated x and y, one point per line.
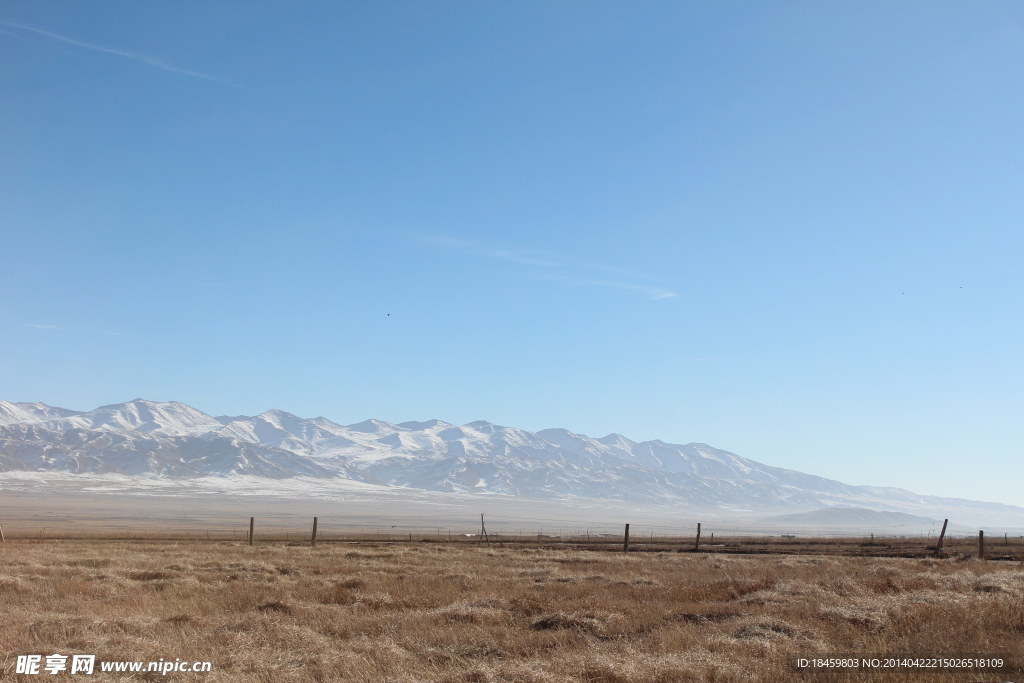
16	413
155	439
33	447
165	419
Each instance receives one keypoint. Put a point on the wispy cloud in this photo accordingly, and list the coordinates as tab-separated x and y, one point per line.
127	54
625	272
562	270
525	258
648	291
72	330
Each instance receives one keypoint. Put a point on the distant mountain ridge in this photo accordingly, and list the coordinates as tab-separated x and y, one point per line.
855	517
174	440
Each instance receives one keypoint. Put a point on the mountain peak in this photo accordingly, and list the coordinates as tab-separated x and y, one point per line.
172	439
372	426
15	413
420	426
615	439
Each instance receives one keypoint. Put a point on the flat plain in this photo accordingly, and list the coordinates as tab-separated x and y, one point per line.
465	612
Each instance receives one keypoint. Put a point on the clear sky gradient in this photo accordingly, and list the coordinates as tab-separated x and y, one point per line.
792	230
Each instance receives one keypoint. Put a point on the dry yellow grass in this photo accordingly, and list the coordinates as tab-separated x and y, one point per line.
439	612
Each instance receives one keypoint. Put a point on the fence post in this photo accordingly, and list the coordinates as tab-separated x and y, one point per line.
696	544
483	532
2	539
312	541
625	541
942	535
981	545
252	525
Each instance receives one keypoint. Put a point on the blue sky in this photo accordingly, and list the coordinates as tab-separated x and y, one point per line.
791	230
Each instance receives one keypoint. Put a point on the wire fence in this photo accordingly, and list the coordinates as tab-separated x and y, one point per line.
503	531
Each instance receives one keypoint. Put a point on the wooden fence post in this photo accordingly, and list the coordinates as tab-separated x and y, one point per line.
942	535
981	545
312	541
483	532
625	541
2	539
696	544
252	525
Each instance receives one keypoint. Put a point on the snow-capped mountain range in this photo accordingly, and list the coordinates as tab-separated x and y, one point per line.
173	440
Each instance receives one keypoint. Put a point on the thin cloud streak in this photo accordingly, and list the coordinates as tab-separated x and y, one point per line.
501	254
144	59
73	330
513	256
625	272
647	290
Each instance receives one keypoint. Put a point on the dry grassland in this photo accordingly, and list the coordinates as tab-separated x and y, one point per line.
440	612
